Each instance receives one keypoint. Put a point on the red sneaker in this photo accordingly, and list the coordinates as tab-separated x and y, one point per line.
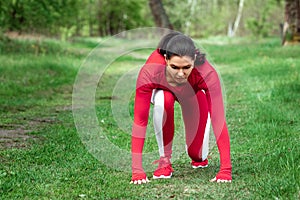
201	164
164	169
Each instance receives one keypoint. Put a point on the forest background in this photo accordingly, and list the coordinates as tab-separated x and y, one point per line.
197	18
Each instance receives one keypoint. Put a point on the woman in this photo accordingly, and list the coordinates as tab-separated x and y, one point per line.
176	71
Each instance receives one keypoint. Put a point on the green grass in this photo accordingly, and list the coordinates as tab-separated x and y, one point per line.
262	85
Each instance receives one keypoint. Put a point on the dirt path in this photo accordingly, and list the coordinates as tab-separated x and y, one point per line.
18	135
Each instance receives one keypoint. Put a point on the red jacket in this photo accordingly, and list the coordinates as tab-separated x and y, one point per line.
203	77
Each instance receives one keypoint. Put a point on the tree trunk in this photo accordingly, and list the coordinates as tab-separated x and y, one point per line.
160	17
90	20
232	30
291	21
298	16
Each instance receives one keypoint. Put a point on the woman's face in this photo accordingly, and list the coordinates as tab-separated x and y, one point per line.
178	69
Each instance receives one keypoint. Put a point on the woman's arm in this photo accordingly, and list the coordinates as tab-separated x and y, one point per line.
141	115
144	86
212	85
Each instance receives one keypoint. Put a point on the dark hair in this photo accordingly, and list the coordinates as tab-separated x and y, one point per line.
178	44
162	46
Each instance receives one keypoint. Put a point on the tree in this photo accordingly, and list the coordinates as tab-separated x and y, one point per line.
232	29
114	16
291	24
160	17
47	16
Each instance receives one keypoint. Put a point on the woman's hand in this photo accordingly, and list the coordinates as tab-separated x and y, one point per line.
139	178
224	176
220	180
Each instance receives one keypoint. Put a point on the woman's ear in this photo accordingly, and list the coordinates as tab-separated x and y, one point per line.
165	55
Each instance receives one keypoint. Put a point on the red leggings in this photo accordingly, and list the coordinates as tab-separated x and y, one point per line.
196	120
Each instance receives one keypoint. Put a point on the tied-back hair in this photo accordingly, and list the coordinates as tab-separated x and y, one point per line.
178	44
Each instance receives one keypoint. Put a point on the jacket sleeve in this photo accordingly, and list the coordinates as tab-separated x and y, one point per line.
139	127
144	87
212	85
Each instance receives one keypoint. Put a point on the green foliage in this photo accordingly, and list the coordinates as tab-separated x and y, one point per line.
259	23
206	18
198	18
72	17
45	16
115	16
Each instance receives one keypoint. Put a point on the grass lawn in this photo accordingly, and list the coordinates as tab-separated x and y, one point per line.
42	155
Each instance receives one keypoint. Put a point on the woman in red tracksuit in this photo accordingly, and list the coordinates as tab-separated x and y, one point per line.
176	71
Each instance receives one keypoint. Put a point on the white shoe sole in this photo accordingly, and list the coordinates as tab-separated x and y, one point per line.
195	167
161	176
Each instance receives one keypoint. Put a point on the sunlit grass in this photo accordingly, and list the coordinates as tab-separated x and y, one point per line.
262	86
